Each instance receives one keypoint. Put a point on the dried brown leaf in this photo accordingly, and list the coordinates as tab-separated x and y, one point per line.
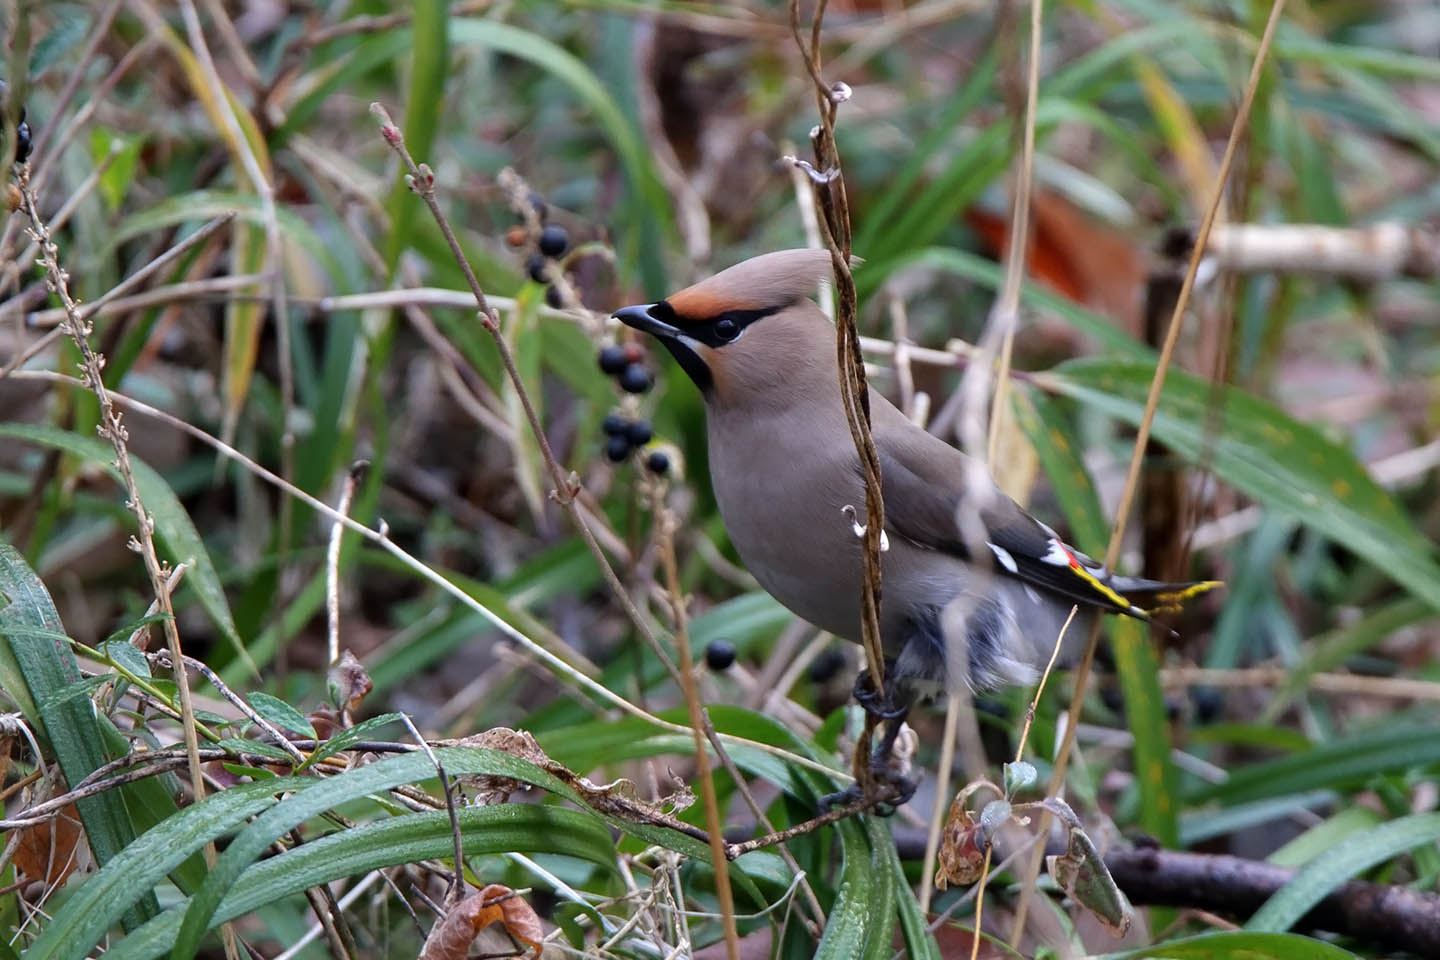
450	939
47	850
961	857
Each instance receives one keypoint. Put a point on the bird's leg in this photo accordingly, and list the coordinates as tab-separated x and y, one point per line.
884	707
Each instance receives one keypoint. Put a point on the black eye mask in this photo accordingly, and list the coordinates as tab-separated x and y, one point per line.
716	331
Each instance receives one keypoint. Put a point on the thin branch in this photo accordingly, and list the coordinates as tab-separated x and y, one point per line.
332	560
113	430
566	487
834	220
665	540
457	885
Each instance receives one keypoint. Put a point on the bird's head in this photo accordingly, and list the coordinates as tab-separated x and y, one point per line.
744	326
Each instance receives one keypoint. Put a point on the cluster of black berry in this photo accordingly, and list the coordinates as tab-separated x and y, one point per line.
550	246
626	363
624	435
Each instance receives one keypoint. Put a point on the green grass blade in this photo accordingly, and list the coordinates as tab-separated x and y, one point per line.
620	130
1257	448
1347	762
48	670
1345	860
353	784
1233	945
405	839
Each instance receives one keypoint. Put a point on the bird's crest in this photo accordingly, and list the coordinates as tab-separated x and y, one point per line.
771	281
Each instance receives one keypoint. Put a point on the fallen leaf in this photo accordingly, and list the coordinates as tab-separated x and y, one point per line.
450	939
47	850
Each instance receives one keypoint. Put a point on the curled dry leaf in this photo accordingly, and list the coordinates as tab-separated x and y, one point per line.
349	682
1081	873
47	851
450	939
962	851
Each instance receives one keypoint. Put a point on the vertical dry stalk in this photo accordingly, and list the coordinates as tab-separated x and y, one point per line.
829	185
665	540
984	449
1142	437
113	430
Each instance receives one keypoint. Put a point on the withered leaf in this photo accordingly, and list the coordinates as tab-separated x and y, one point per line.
450	939
1082	874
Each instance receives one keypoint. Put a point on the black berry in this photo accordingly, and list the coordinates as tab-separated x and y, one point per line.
612	359
657	463
553	298
615	425
826	665
538	202
617	448
639	432
538	268
1209	704
554	241
635	379
719	654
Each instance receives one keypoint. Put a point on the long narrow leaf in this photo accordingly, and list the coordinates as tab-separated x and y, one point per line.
31	628
1259	449
1345	860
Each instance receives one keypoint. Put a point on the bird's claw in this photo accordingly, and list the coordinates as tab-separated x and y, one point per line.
877	703
895	790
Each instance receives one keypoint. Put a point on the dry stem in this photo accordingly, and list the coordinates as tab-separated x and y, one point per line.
113	430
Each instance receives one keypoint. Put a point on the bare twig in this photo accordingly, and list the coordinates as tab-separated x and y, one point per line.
238	702
830	199
113	430
457	886
332	559
90	310
1152	400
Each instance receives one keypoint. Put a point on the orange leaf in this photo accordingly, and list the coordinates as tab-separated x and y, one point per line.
47	850
451	938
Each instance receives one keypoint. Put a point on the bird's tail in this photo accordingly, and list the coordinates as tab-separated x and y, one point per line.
1148	598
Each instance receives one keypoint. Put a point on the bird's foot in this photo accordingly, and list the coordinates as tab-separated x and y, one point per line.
888	790
878	703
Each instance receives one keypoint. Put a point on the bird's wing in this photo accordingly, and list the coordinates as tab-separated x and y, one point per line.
923	488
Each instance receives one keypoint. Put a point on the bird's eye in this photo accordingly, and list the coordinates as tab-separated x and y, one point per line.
727	329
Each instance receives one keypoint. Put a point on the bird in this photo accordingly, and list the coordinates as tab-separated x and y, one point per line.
789	486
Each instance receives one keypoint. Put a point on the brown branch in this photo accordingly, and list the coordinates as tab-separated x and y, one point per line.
665	540
828	183
1395	917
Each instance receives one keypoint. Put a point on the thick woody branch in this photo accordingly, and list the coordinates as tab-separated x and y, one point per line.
1395	917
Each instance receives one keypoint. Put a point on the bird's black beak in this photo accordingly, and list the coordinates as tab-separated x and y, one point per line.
640	317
